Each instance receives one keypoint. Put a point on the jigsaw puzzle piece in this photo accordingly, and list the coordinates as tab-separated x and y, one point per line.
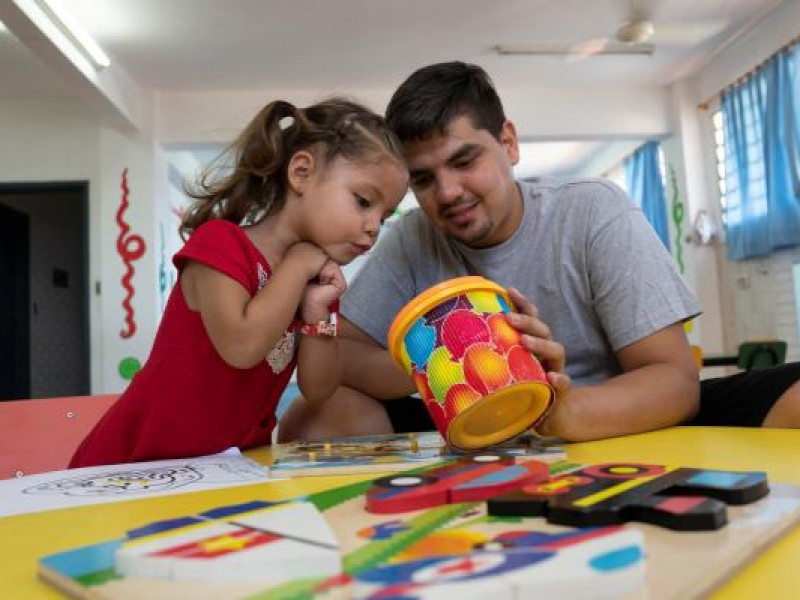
601	563
269	544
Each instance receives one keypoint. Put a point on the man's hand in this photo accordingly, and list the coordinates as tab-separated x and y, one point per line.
536	338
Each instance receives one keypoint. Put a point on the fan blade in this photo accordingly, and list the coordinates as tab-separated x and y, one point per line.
571	50
587	48
687	34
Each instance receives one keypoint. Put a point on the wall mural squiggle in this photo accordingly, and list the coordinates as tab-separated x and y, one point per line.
677	219
130	248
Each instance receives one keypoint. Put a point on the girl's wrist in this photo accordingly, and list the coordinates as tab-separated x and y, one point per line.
324	327
327	324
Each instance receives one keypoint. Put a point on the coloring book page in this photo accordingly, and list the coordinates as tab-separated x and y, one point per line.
112	483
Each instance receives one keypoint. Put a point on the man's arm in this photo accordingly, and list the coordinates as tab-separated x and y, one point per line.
658	388
368	367
368	372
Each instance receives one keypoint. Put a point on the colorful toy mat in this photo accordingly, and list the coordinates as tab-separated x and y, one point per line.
446	543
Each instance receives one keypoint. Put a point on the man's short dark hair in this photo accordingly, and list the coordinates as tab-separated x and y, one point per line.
434	96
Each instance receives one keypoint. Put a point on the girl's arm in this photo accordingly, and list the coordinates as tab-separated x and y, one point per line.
243	329
319	364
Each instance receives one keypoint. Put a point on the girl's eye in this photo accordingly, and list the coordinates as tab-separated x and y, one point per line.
362	202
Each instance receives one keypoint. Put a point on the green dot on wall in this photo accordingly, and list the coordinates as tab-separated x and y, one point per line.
128	367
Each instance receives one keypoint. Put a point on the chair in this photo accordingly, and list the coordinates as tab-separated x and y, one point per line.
757	355
697	354
40	435
750	355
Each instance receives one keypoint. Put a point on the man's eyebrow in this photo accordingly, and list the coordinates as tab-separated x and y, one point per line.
465	151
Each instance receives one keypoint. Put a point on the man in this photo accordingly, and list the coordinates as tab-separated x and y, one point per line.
599	299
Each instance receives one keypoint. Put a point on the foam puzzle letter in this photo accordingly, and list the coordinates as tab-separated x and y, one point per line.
678	498
469	479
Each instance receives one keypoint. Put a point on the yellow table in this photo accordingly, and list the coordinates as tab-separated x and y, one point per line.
26	538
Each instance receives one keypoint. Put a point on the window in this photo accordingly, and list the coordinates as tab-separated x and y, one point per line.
731	210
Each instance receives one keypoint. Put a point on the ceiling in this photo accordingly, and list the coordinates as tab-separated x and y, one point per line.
358	45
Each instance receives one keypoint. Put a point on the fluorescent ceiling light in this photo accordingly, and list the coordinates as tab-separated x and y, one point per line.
73	30
567	49
3	27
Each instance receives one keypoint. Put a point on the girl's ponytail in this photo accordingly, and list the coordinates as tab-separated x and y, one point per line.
249	181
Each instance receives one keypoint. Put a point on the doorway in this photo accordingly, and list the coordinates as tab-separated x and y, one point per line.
44	262
14	301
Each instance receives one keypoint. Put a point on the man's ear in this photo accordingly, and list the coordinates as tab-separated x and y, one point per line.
510	142
301	167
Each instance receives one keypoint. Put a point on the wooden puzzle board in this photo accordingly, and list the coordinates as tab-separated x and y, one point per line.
388	453
678	564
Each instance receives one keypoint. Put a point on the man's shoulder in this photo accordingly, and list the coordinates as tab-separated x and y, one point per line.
577	195
412	223
573	186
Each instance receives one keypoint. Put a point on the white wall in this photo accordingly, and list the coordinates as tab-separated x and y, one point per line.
43	141
688	154
577	113
746	299
135	153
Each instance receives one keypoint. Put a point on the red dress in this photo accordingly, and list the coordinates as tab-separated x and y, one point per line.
186	400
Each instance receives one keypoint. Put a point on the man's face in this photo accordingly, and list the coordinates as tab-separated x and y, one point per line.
464	182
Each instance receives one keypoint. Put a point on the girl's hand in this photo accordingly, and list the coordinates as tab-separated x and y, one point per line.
327	286
307	258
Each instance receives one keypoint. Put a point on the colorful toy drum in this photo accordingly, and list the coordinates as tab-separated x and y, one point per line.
479	384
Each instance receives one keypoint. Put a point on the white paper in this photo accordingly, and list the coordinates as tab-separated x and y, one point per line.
112	483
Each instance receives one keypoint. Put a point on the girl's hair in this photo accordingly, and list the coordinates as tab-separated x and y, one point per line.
255	185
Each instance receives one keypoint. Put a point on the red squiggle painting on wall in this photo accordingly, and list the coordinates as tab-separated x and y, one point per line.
130	247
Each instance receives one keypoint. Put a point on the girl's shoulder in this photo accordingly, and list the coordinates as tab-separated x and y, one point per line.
218	233
222	245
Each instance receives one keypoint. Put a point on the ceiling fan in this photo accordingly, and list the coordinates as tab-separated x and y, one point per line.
637	33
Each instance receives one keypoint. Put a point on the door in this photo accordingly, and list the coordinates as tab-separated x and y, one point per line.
14	302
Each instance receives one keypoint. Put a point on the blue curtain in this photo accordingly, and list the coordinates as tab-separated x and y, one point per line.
762	171
646	187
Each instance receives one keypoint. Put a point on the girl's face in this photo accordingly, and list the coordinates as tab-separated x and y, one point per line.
344	203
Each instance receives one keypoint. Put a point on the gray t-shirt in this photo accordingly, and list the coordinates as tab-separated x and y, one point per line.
584	254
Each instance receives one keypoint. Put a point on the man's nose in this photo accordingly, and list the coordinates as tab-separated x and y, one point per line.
448	187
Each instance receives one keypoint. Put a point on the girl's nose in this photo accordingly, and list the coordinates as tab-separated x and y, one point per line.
373	225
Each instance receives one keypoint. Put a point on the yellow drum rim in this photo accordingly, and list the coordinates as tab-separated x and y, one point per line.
425	301
532	398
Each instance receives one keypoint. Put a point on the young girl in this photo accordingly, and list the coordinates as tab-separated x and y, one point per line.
308	192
